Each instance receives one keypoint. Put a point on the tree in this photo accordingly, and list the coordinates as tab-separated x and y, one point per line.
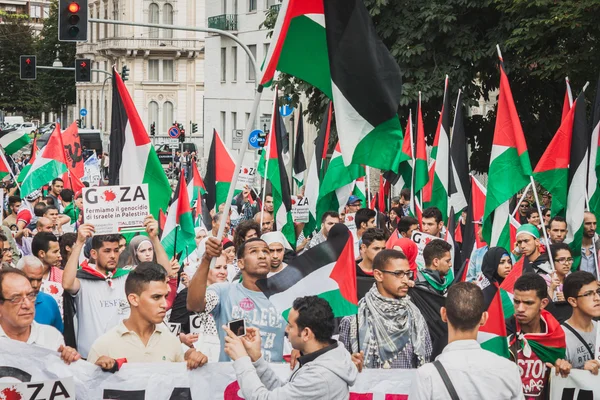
57	87
542	41
16	39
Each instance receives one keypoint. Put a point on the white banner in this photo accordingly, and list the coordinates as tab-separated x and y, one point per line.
246	177
579	385
300	209
161	381
421	239
116	209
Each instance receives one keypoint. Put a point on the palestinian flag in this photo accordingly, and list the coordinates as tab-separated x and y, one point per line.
316	172
272	167
440	154
492	336
576	192
403	179
459	183
421	170
299	160
338	184
178	232
12	141
333	46
162	220
48	165
507	288
509	170
195	186
552	170
25	170
593	188
360	190
550	345
568	102
133	159
327	270
470	239
4	166
219	172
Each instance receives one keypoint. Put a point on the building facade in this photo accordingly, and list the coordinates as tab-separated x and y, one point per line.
166	67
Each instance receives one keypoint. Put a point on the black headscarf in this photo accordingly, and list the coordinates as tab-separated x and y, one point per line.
489	265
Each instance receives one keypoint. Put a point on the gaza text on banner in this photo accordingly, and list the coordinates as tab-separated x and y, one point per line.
116	209
580	384
33	365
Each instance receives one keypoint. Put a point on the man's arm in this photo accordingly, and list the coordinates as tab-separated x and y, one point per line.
196	299
69	280
151	226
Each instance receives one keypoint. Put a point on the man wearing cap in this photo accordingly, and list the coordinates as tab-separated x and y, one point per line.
353	205
528	245
277	245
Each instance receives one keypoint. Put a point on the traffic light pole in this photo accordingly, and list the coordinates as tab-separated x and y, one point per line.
185	28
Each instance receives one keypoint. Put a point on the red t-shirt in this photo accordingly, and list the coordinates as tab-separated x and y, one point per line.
25	216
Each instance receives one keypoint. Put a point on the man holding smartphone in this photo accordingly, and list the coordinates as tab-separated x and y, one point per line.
240	300
325	368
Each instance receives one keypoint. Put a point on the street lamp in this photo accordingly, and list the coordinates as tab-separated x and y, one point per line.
57	62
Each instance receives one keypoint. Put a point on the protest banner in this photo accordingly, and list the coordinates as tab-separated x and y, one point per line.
246	177
350	222
50	390
421	239
300	209
92	171
116	209
163	381
579	385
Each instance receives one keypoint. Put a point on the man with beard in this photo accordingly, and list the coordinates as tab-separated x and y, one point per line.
588	260
99	292
528	243
392	330
277	246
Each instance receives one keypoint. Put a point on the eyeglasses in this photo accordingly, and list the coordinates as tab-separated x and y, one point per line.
18	300
564	260
400	274
590	293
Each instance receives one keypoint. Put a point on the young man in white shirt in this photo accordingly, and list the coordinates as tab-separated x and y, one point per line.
143	337
473	372
17	311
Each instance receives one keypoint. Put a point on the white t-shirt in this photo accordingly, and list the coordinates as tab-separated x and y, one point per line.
100	308
45	336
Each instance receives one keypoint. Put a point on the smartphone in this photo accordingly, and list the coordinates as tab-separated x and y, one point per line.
238	327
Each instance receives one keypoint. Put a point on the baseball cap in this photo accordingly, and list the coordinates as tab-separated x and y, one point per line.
353	199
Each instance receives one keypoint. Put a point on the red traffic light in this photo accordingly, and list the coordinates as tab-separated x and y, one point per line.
28	61
83	64
73	7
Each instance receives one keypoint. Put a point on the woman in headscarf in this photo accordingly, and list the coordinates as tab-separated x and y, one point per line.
140	250
408	247
496	265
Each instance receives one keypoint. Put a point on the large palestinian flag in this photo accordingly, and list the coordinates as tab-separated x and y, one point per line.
333	45
327	270
510	169
459	184
178	232
48	165
593	188
12	141
272	168
550	345
492	336
219	172
133	159
25	170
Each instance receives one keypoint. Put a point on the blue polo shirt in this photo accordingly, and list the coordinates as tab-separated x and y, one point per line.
47	312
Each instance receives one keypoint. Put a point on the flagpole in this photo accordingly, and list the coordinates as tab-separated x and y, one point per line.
2	153
414	161
368	171
537	203
264	190
569	93
521	200
238	164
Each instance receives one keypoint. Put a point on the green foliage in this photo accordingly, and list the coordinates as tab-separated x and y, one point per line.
542	42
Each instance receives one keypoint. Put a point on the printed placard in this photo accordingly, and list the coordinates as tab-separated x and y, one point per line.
300	209
246	177
116	209
421	239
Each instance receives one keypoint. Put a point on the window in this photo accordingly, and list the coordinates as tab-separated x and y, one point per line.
153	19
167	116
153	70
105	26
233	120
223	116
35	12
251	71
223	64
251	5
167	20
152	114
265	51
234	63
46	12
168	70
116	17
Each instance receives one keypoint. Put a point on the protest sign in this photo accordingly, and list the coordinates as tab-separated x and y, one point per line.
48	390
580	384
300	209
246	177
116	209
92	171
421	239
350	222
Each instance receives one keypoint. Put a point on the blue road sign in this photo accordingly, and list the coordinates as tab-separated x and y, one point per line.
83	112
174	132
253	138
286	110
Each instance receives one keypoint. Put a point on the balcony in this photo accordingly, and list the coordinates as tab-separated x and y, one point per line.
275	8
150	46
225	22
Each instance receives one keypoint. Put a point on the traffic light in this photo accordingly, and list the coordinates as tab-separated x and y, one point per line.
153	129
28	67
83	70
79	123
182	136
262	138
72	20
124	73
194	127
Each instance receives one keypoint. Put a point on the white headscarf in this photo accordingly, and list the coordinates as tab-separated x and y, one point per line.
276	237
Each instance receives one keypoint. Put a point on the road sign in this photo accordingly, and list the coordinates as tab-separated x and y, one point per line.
83	112
238	135
286	110
174	132
253	138
265	122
